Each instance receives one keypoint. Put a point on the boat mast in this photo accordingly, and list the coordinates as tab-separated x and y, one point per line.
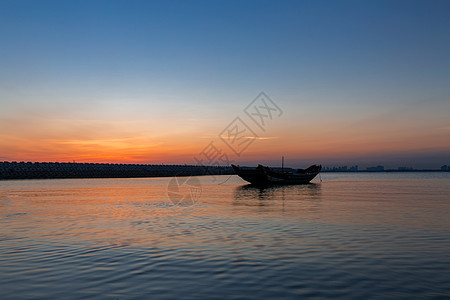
282	164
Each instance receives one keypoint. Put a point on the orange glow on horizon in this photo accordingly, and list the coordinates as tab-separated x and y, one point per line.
178	150
173	142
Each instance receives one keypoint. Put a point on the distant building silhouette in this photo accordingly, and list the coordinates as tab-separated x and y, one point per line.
340	169
375	169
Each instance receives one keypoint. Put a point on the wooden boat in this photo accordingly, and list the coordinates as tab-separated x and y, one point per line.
262	175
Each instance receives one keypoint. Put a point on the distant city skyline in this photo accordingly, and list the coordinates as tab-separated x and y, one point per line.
154	82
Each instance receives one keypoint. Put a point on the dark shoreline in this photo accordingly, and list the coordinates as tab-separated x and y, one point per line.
55	170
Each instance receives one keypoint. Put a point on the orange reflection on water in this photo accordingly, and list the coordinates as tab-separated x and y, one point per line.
123	212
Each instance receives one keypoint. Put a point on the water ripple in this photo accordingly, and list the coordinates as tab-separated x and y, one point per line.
366	239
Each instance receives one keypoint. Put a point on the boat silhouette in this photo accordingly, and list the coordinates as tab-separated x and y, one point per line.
263	175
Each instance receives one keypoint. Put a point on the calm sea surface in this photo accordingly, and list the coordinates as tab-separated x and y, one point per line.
352	236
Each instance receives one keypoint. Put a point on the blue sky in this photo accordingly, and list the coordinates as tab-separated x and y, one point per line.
196	64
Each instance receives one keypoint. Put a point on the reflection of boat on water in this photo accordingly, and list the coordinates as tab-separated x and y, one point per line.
279	197
251	191
262	175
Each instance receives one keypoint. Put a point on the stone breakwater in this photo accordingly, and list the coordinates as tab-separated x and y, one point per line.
36	170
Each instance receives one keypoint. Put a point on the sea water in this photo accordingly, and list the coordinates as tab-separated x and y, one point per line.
349	236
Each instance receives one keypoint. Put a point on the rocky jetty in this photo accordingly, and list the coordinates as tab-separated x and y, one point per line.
36	170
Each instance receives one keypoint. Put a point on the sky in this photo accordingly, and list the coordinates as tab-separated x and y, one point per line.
179	82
